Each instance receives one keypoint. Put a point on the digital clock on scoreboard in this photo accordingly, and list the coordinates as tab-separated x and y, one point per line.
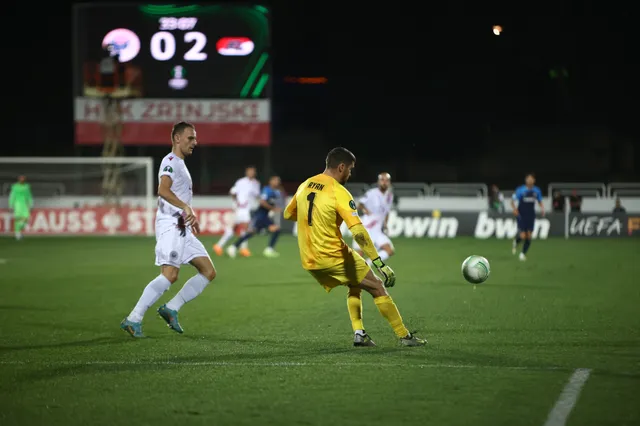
176	51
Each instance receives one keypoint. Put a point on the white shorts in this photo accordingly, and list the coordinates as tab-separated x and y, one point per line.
378	237
242	216
174	249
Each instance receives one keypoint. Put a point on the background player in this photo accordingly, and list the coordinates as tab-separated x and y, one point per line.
263	219
375	206
245	192
526	195
20	201
176	243
319	206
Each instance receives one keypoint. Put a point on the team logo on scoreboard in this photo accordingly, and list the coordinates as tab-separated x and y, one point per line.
235	46
122	43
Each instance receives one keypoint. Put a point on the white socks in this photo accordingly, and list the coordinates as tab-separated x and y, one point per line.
191	289
360	332
228	233
383	255
150	295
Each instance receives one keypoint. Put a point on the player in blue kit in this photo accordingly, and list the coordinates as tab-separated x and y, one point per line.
527	196
270	205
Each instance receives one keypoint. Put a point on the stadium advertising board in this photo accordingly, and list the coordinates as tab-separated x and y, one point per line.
96	220
145	121
189	51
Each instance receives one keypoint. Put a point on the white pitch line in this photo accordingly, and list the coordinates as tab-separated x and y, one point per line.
280	364
567	400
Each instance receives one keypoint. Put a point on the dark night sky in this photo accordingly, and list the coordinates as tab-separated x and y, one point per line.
389	70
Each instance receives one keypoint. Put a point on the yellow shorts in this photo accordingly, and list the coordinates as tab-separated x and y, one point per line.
350	272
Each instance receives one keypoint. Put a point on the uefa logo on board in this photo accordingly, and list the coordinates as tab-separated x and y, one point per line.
122	43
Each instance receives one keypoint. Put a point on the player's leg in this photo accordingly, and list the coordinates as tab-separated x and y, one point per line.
270	251
241	231
384	246
132	324
169	251
19	223
519	236
253	229
354	306
195	254
527	243
388	309
218	247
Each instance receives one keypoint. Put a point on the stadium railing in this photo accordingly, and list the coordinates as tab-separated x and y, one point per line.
589	189
471	189
622	189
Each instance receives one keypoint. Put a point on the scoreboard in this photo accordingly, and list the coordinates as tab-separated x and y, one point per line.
193	51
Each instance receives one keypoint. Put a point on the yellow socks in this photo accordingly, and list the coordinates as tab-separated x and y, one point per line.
389	311
354	305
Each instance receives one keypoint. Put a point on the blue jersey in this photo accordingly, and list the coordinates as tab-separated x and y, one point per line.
272	197
527	199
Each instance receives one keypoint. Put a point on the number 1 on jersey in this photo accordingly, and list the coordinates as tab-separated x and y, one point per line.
310	198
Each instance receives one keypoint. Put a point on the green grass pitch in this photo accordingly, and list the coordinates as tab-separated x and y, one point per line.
265	345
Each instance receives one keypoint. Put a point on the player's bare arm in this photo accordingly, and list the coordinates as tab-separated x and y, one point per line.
514	208
164	191
363	209
541	207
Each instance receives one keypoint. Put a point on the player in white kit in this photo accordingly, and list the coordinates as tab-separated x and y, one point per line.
245	193
375	206
176	242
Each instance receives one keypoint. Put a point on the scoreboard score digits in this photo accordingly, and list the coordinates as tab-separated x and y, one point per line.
191	51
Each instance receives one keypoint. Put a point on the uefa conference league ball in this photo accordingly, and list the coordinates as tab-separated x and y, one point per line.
476	269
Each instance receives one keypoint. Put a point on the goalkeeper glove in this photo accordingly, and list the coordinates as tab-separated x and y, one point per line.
386	271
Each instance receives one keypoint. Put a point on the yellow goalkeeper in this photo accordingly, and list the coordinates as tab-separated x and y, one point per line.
319	207
20	201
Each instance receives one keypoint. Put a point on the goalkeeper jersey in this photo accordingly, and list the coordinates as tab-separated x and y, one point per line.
20	199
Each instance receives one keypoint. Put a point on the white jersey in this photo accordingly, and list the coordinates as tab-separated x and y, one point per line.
174	167
246	191
176	245
379	205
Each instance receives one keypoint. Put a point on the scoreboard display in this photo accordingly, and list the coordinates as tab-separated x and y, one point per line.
180	51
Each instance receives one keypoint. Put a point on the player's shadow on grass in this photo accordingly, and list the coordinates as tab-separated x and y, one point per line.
68	344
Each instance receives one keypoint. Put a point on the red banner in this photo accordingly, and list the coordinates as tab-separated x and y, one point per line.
149	121
105	221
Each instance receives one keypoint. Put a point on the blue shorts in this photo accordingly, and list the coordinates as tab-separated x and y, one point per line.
525	223
260	222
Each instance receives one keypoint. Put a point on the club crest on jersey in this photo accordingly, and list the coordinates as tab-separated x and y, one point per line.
352	204
168	169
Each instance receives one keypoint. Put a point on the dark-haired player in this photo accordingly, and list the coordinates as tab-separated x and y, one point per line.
176	242
319	206
526	196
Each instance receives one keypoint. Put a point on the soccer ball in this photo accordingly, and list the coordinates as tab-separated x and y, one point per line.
476	269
